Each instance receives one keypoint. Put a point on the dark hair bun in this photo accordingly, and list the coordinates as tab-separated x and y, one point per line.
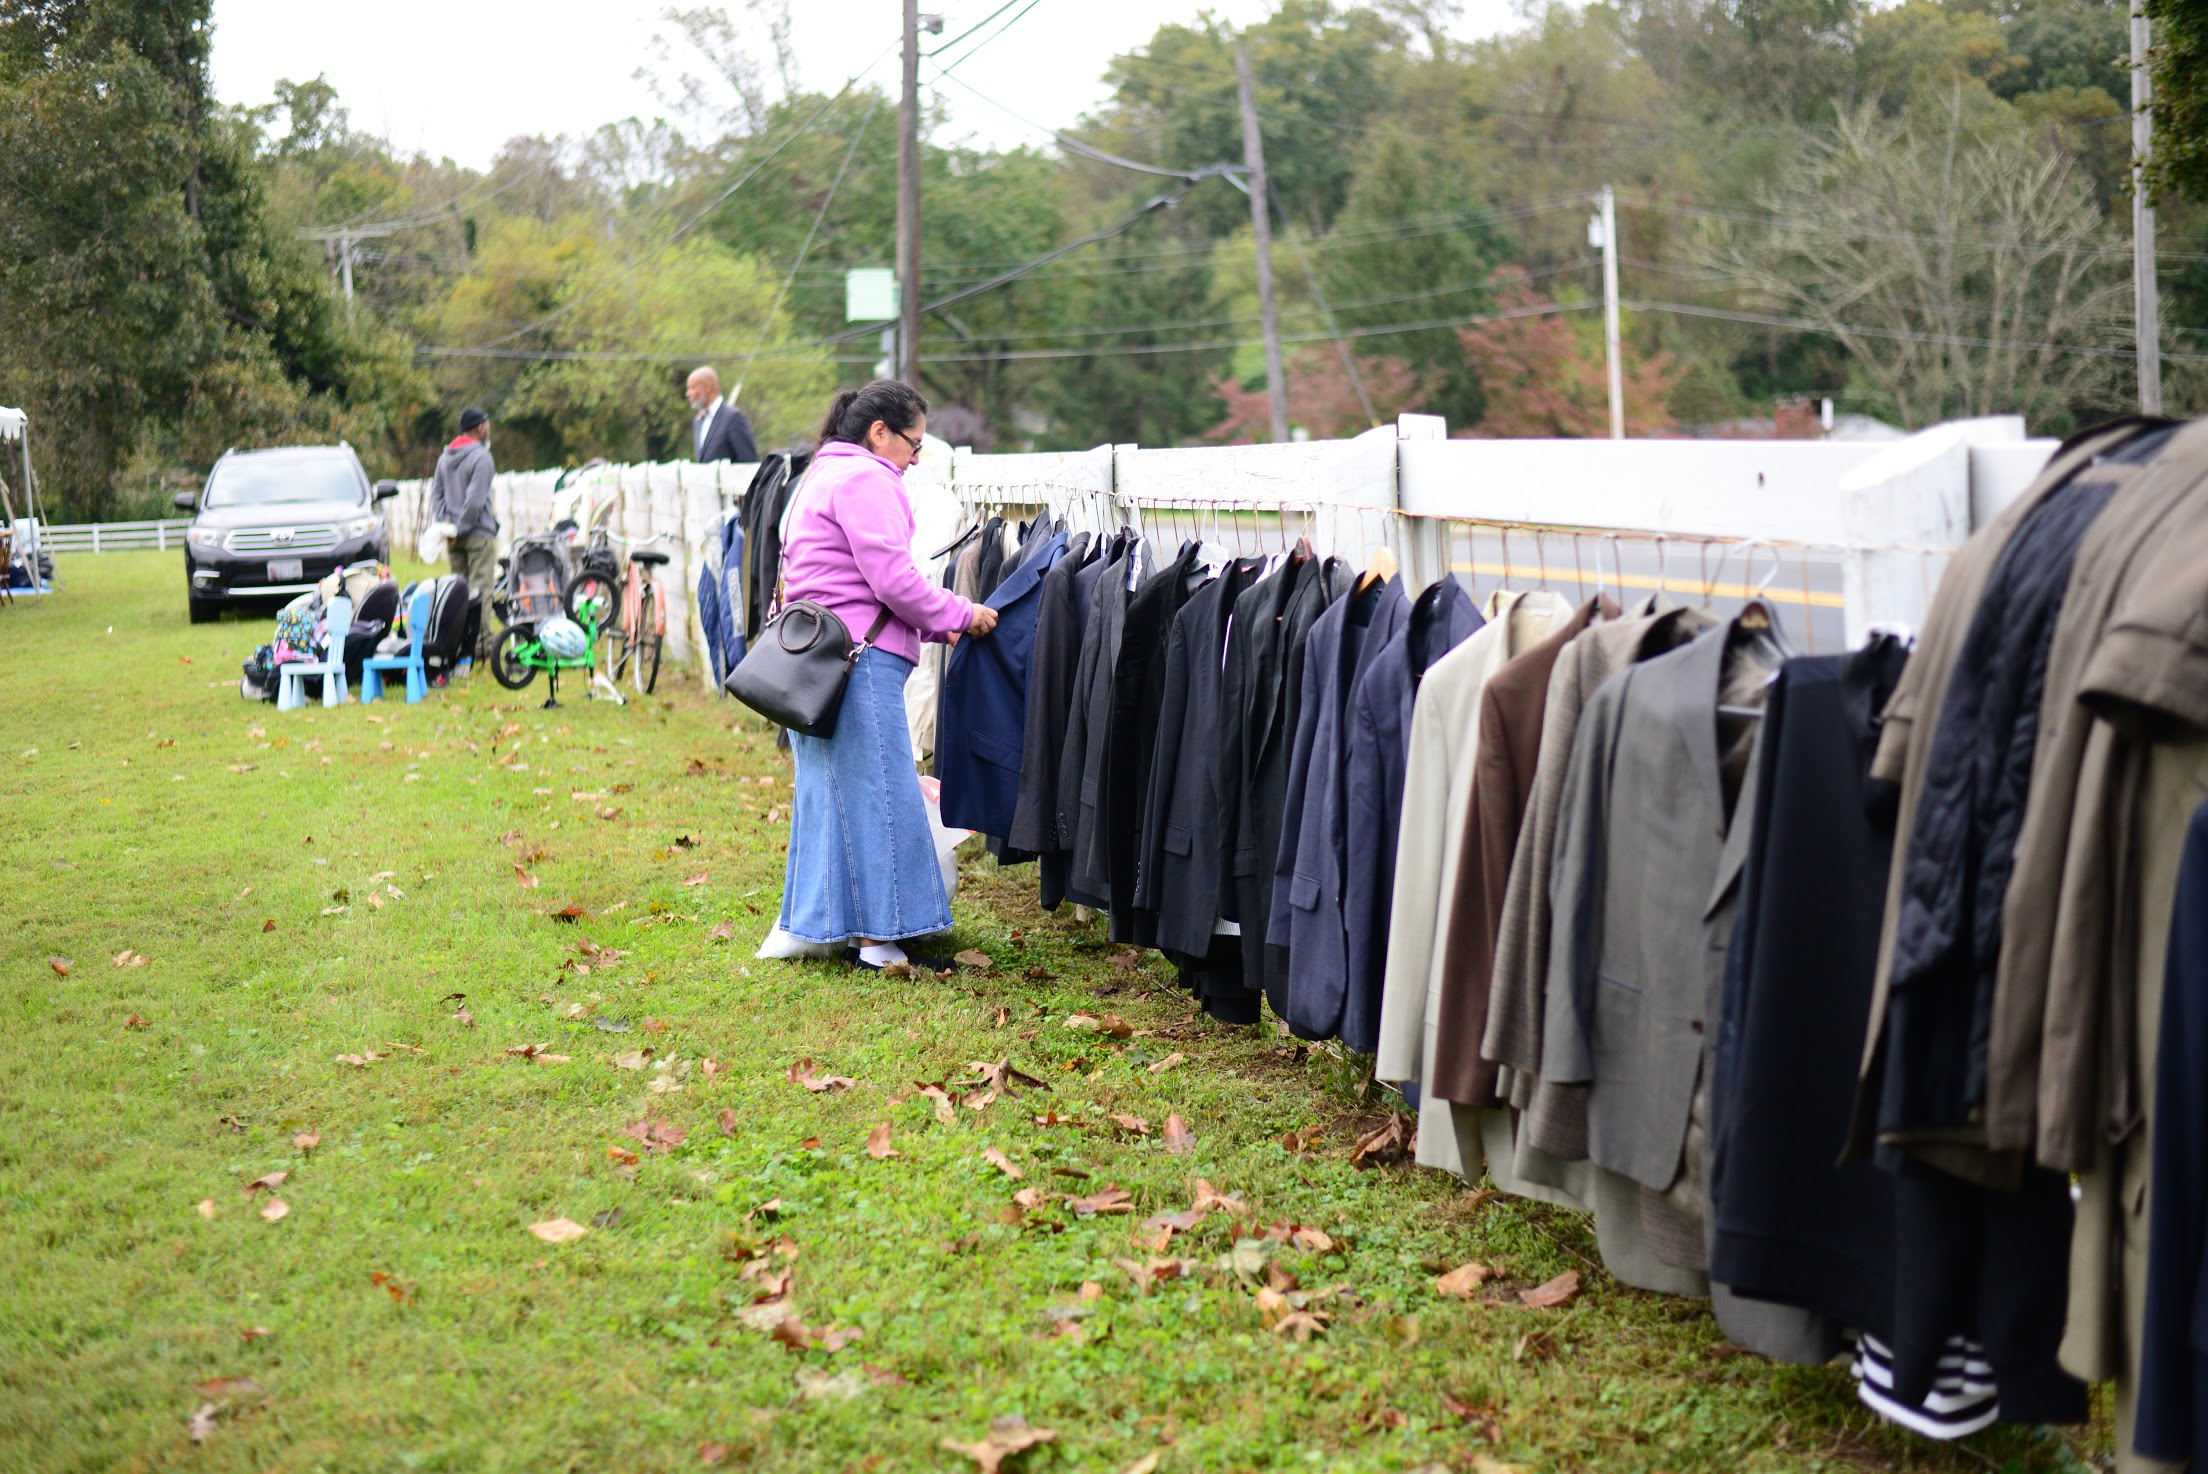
854	411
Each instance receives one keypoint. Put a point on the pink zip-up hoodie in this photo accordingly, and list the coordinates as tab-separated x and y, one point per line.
850	548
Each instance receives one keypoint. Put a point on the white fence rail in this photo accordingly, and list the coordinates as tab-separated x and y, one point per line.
115	537
1883	515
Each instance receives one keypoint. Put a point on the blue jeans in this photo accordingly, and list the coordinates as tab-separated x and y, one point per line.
862	858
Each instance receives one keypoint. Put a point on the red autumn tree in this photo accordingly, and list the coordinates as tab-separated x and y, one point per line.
1322	398
1542	383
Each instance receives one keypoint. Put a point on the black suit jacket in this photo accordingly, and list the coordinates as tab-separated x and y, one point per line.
1264	683
1051	668
1080	763
728	438
1138	690
1181	876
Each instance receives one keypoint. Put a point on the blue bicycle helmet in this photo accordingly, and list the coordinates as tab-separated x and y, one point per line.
563	639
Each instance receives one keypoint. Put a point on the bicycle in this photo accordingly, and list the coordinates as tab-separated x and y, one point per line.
628	609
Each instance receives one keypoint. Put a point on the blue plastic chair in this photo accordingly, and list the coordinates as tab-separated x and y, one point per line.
417	673
291	692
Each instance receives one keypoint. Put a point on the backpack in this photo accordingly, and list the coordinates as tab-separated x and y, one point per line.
455	620
258	682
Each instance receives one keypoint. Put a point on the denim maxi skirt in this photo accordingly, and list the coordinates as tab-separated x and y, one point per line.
862	857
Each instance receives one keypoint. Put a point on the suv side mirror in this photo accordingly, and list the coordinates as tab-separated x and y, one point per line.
187	501
385	490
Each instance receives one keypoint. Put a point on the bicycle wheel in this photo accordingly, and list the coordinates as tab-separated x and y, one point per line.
591	600
649	625
507	666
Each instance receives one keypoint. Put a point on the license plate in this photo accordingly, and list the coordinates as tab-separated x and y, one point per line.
286	570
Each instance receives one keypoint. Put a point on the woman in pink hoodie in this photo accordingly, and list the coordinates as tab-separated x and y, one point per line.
862	866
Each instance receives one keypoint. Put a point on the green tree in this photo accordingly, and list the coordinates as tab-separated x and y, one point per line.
2180	62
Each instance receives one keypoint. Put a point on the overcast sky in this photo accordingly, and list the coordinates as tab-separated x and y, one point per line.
457	78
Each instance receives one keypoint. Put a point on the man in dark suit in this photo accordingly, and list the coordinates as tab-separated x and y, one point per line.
719	431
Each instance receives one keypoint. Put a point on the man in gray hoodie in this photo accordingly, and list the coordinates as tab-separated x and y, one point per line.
460	493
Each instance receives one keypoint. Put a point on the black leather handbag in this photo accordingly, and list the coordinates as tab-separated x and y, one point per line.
794	674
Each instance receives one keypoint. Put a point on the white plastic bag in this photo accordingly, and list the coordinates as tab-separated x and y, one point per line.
780	943
434	539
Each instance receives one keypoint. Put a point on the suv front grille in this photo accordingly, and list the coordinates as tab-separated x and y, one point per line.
281	544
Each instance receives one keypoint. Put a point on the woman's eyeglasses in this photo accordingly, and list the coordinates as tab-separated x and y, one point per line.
915	442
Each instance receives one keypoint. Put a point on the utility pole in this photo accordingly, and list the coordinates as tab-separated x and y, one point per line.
2146	299
343	238
1261	225
908	203
1603	231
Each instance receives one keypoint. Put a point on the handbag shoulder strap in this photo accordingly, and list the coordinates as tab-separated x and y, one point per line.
881	622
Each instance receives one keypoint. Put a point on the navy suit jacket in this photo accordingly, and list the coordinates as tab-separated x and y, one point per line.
981	721
1379	753
728	438
1308	872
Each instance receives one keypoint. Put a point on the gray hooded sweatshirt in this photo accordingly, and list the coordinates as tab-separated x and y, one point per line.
460	491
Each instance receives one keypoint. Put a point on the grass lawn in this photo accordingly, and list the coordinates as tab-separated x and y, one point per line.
385	883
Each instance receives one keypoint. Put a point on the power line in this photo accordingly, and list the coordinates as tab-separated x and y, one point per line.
1694	211
1903	335
978	45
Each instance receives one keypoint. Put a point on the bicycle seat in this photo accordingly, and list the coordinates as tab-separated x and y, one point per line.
652	560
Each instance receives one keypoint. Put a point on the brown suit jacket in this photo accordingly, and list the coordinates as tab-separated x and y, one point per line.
1513	704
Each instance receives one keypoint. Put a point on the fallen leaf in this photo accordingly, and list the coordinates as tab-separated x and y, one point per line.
1004	1016
1147	1464
201	1424
570	913
728	1121
1465	1279
1178	1139
943	1110
1030	1198
801	1074
1134	1124
253	1333
1204	1198
809	1144
814	1383
1381	1146
269	925
698	879
973	958
1301	1325
632	1059
1534	1346
1002	1163
622	1155
1105	1200
274	1209
877	1143
206	1207
1007	1436
558	1230
227	1387
271	1181
307	1141
128	958
137	1021
607	1219
656	1136
528	881
1553	1292
362	1060
710	1454
60	965
1175	1058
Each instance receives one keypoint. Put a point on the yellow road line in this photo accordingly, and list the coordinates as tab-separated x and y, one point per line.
1682	587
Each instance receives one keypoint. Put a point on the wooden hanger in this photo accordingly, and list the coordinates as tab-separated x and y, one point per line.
1381	567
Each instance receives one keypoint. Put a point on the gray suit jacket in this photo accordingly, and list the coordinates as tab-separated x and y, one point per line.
1639	882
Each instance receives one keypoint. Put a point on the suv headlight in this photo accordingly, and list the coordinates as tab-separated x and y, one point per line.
209	538
361	526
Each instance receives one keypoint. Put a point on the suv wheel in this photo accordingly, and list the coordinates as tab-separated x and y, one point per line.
203	610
